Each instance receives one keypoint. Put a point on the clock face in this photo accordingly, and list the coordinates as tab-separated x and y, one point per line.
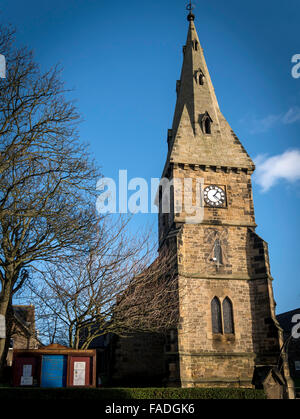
214	196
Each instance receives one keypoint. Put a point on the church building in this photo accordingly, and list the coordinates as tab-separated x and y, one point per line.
227	327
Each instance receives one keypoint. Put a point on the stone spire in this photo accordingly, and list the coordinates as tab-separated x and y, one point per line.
200	133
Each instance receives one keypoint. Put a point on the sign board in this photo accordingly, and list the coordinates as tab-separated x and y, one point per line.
26	381
2	327
79	373
297	365
2	66
27	370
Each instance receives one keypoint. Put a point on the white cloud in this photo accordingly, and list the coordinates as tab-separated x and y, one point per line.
270	170
263	125
260	125
293	115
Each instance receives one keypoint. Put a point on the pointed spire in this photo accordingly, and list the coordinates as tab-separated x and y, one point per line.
195	87
200	133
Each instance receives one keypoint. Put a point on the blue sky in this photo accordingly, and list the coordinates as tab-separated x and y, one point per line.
123	60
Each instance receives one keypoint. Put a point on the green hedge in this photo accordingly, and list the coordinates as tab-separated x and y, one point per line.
128	393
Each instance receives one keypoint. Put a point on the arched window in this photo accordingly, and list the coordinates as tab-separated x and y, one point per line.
218	258
228	316
199	77
205	123
216	316
207	126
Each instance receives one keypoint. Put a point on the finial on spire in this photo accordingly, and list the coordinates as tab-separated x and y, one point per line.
190	7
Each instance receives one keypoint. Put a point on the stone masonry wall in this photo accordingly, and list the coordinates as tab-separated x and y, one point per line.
139	360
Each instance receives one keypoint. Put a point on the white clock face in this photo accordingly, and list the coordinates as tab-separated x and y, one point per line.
214	196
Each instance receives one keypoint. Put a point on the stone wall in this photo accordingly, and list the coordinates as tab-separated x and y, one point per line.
139	360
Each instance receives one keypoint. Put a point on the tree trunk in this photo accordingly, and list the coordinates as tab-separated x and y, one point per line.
6	311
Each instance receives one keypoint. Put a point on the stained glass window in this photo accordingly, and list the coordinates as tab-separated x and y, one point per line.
228	316
216	316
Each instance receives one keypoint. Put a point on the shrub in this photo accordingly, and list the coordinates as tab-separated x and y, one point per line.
128	393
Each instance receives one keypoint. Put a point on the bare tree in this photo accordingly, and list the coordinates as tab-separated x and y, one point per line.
109	289
46	177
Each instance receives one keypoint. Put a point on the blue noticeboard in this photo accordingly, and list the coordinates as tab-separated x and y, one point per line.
54	369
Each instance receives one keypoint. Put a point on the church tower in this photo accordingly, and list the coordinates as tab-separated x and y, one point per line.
227	327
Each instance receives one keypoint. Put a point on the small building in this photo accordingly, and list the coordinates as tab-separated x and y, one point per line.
54	366
290	323
271	381
23	332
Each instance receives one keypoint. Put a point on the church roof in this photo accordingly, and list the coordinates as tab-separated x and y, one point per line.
196	102
285	320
